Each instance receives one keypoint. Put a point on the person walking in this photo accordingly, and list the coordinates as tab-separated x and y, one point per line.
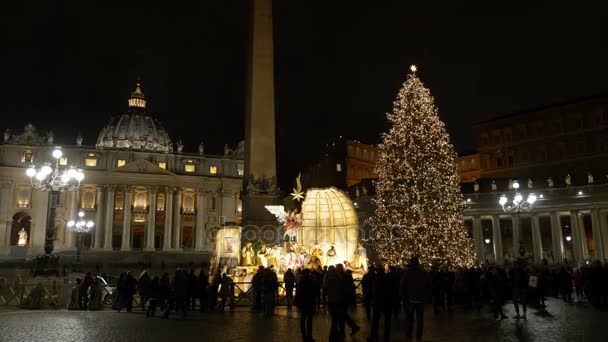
304	300
366	285
225	287
83	293
256	288
153	296
520	289
496	288
143	287
414	286
179	287
164	291
270	286
203	290
334	289
350	291
382	304
289	279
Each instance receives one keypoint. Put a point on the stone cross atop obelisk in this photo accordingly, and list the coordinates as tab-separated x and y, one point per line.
260	151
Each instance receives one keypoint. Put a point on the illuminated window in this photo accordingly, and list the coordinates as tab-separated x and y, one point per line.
121	162
189	168
140	199
213	170
87	198
23	196
91	162
63	161
160	202
188	201
27	157
119	201
162	165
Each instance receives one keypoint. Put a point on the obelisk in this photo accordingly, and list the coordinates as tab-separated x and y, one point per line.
260	185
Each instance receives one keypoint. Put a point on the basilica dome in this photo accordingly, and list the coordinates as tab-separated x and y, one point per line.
329	218
135	129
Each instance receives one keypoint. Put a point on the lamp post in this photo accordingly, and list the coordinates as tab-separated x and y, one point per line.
49	178
516	205
80	226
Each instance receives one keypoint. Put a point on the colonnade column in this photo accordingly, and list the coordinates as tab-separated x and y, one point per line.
497	239
109	220
151	225
516	235
98	228
200	236
604	233
478	239
537	244
557	238
6	201
168	219
72	213
126	222
581	229
177	220
576	236
598	237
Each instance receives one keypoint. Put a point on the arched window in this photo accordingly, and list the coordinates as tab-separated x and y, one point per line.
23	196
21	223
160	202
140	199
188	201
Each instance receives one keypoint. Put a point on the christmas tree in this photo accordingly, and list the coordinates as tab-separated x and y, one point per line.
419	206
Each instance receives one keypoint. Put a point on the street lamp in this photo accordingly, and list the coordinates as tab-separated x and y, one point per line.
49	178
80	226
516	205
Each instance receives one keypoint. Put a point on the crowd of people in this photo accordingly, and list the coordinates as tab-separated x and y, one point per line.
386	292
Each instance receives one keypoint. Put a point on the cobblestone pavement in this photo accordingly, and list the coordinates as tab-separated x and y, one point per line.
577	322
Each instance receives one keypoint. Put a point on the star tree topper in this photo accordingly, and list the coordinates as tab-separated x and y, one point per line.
298	194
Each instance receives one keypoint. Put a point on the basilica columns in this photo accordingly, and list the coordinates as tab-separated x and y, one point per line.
536	238
597	234
72	214
478	239
516	236
98	229
177	220
126	223
576	236
5	224
200	237
151	226
497	239
168	219
109	221
557	238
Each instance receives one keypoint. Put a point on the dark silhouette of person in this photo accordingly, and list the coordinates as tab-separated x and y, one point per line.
289	279
306	293
414	286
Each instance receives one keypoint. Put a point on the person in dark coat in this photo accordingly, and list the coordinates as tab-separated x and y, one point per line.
496	288
164	291
213	290
336	302
306	293
289	279
131	285
83	293
366	285
192	290
121	289
153	296
225	287
350	300
565	284
270	285
256	288
179	287
203	290
143	287
382	304
414	286
520	289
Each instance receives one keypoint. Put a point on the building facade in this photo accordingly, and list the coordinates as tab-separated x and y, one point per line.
143	193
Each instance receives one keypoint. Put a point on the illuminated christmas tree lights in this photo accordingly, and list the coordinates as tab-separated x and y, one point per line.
419	206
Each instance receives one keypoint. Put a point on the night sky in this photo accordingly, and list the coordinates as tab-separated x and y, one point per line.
70	66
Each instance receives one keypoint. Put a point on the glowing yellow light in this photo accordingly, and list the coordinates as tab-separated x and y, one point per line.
413	68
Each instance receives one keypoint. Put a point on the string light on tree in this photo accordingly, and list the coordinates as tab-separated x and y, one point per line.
419	206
